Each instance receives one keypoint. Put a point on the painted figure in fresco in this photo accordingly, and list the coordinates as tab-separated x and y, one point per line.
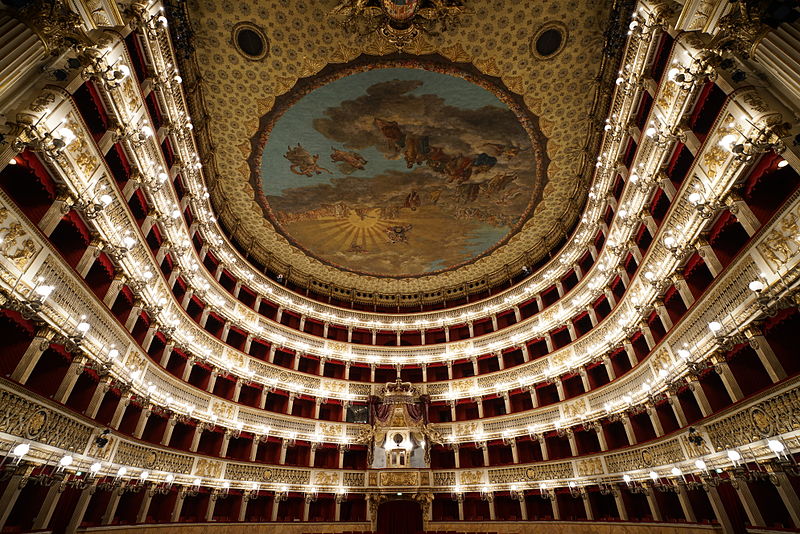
416	150
498	182
504	151
395	137
412	201
303	163
353	159
398	233
483	162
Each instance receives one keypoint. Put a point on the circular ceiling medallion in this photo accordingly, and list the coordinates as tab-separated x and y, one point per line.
549	40
250	41
398	169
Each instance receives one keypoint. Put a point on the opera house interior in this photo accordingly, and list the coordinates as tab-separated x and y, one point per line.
595	336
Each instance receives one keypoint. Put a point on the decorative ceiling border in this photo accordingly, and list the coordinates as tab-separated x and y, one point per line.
615	36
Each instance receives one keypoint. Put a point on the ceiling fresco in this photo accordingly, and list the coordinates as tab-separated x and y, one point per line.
398	168
477	228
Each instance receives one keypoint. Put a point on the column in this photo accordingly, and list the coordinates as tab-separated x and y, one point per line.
166	353
176	510
677	409
88	258
111	507
655	421
48	506
621	510
630	352
53	215
585	379
69	380
587	505
766	355
729	381
556	510
626	424
749	504
198	432
686	504
114	289
788	496
743	213
601	437
777	55
700	397
648	334
655	511
171	422
119	412
243	507
592	315
612	300
663	314
187	371
141	515
223	449
141	423
543	447
212	502
609	368
719	511
9	497
31	356
709	257
212	380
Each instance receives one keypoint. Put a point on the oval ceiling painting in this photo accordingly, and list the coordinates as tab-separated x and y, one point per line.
399	171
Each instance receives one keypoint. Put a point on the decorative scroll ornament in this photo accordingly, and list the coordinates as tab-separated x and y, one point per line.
741	30
55	23
399	22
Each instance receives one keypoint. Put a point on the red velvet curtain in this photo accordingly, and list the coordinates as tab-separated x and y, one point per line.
399	517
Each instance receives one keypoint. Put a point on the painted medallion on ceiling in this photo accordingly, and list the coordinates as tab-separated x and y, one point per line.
399	168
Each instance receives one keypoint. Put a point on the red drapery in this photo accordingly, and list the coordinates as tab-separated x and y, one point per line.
399	517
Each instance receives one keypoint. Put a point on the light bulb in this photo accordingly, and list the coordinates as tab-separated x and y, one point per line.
169	478
695	198
715	326
756	286
653	475
626	478
728	141
66	461
21	450
734	456
676	472
95	467
122	471
776	446
782	163
144	475
83	327
700	464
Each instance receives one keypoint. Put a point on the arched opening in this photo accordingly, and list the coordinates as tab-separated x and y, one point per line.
400	517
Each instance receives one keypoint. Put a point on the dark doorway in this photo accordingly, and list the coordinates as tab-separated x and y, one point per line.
399	517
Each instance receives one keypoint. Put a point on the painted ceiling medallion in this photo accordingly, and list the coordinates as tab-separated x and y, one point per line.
398	168
397	21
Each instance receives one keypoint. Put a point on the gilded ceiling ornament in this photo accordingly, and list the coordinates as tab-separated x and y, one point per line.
741	30
55	23
399	22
